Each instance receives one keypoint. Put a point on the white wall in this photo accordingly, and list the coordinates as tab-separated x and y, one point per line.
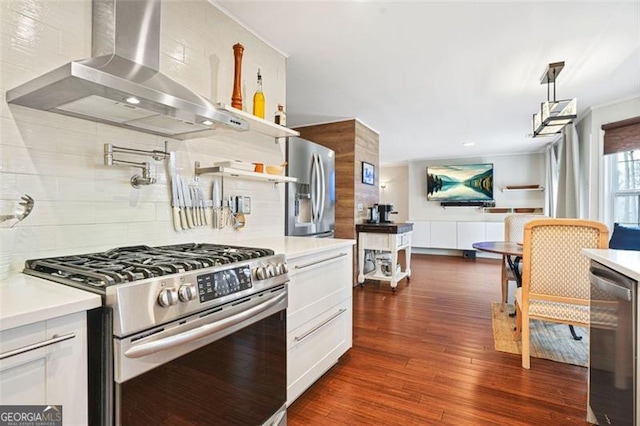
396	181
591	147
522	169
82	205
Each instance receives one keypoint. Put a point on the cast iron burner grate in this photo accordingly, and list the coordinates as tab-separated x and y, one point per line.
129	264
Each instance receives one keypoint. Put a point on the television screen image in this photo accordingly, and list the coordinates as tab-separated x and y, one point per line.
466	182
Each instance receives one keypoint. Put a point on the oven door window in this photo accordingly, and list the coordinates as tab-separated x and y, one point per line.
237	380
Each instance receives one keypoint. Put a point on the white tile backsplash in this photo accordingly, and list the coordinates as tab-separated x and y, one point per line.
29	116
83	205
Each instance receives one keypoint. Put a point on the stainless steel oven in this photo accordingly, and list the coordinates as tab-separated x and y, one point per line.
202	344
612	347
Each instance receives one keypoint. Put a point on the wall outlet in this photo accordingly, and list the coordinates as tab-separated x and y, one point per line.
360	207
246	205
242	204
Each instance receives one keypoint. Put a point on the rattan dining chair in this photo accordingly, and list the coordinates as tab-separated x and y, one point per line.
513	231
555	274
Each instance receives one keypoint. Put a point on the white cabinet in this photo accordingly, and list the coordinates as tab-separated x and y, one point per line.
444	235
459	235
469	233
45	363
319	316
494	231
421	236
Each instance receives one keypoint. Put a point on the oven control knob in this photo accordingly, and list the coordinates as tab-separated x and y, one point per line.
261	272
187	292
168	297
271	270
282	268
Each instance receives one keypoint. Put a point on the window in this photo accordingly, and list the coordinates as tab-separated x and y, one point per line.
625	186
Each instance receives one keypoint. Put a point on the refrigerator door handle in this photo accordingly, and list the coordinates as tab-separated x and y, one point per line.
314	188
323	189
318	186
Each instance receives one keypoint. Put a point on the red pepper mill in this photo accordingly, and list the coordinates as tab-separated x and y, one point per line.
236	96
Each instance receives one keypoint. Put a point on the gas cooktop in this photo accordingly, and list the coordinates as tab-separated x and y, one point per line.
129	264
148	286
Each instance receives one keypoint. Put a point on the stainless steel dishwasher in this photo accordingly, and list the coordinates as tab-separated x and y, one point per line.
612	347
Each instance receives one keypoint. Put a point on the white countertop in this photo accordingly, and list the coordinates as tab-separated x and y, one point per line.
25	299
293	247
627	262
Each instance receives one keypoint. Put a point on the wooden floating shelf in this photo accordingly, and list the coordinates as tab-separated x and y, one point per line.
260	125
241	174
513	188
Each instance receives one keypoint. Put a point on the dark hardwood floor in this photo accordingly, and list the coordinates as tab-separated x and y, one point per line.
424	355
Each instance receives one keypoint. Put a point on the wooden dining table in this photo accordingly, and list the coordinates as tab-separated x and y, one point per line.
511	250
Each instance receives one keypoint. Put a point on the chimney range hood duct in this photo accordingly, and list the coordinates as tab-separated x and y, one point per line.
121	84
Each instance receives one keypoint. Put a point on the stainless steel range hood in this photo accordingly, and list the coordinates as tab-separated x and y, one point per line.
121	84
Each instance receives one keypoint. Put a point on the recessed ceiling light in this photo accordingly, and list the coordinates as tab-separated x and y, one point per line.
133	100
468	144
207	122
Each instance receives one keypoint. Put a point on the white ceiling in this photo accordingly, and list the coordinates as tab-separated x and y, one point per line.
430	76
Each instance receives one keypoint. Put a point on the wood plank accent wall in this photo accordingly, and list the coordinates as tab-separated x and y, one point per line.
367	149
353	143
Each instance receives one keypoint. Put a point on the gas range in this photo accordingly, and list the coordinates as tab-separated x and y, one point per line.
149	286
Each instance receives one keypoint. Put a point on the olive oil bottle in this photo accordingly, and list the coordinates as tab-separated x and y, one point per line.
258	99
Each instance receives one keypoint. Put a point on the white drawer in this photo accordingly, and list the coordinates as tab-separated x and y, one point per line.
316	282
386	242
403	240
15	338
21	337
316	345
376	241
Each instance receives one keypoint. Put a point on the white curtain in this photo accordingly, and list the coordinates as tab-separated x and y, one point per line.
562	175
567	202
551	177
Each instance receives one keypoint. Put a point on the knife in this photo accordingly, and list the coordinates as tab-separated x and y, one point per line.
197	208
217	212
205	206
175	202
188	205
181	205
194	206
197	219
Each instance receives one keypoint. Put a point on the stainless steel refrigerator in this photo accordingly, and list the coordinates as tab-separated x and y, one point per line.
311	201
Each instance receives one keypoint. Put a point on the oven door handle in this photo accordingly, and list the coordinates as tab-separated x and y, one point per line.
202	331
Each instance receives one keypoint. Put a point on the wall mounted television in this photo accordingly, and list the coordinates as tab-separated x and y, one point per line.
464	182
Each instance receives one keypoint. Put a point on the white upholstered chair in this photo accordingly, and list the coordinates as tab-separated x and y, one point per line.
513	231
555	274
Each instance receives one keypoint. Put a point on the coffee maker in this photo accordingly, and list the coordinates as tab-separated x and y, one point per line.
372	214
384	211
379	213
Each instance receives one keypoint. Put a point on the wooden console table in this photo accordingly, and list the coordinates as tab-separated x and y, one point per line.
387	237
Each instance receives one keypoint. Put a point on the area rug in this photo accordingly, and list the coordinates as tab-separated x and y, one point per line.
548	340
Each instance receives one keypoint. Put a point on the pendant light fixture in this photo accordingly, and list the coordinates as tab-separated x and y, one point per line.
553	114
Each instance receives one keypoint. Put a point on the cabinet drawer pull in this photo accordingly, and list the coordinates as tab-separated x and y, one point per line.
322	324
306	265
55	339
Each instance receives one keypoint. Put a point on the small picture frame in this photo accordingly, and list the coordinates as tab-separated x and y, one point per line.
368	173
